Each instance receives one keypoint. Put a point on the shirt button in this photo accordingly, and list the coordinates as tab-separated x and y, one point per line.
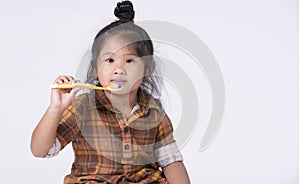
119	117
127	146
126	129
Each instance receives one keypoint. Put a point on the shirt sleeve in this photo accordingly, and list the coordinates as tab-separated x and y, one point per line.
164	134
68	127
66	130
54	150
165	149
168	154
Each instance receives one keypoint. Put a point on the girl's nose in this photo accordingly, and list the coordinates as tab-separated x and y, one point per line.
119	71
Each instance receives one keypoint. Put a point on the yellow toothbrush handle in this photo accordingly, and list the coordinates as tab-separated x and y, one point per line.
77	85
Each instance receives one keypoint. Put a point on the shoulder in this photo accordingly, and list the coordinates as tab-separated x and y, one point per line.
147	101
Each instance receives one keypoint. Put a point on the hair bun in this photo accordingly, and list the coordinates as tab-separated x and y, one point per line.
124	11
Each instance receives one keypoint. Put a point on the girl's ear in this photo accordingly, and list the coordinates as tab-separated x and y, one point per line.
149	68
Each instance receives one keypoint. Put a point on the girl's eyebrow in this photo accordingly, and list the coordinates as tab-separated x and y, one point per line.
112	53
107	54
131	53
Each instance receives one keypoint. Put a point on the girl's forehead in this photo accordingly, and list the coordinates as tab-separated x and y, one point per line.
117	43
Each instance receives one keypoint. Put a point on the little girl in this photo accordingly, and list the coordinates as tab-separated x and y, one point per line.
118	136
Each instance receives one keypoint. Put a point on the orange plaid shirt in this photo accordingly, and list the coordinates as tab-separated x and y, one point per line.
110	148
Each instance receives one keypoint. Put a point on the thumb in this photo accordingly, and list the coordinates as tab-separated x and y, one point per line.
74	91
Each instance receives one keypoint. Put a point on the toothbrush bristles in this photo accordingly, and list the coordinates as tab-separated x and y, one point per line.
115	86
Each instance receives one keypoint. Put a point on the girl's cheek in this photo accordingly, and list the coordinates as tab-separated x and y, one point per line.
102	68
99	65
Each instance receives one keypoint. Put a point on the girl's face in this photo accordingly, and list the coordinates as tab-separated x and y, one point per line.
118	64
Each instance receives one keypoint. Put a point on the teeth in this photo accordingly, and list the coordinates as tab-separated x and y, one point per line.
115	86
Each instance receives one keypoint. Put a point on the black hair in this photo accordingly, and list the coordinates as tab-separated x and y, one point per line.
138	40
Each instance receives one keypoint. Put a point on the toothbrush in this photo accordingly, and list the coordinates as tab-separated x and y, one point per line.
85	85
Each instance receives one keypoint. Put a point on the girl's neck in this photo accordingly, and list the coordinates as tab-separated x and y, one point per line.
124	103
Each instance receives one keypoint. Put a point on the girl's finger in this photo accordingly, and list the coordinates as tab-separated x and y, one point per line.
74	91
63	79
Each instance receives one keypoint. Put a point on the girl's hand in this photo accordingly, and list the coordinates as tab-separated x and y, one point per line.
44	135
62	98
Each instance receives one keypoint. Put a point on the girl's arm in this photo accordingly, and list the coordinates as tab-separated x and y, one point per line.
44	135
176	173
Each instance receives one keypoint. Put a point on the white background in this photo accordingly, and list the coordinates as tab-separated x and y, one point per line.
256	46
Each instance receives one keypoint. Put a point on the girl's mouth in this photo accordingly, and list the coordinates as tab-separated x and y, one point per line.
118	81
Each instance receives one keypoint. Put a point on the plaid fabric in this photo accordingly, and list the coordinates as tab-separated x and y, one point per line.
168	154
110	148
54	150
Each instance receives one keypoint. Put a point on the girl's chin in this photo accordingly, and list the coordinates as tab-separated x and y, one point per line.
123	91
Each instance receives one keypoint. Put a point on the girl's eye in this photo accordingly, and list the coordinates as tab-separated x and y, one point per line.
109	60
129	61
